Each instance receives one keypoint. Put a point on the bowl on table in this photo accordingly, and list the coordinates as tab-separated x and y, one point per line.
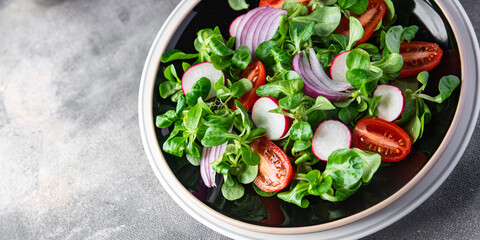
394	191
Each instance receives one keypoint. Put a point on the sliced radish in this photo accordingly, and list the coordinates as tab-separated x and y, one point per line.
338	69
277	125
330	135
197	71
234	25
392	102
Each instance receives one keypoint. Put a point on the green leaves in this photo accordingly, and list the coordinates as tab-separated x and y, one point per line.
446	87
200	89
300	34
296	195
409	33
238	5
291	102
193	117
294	8
240	87
348	114
219	47
241	58
171	87
355	6
249	157
175	54
417	113
345	167
364	80
346	171
236	89
321	104
167	89
215	136
358	59
326	20
318	184
234	191
166	119
246	173
371	163
356	32
301	131
394	36
391	65
349	169
291	84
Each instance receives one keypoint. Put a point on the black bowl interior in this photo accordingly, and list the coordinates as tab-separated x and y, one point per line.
389	179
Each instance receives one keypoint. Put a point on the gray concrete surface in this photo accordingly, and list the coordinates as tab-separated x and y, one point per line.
72	164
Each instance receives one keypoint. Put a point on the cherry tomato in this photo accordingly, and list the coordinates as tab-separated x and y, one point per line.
255	72
369	19
278	3
274	169
382	137
419	56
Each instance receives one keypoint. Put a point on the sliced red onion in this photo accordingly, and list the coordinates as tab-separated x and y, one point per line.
270	27
262	24
250	26
313	86
210	154
274	25
241	25
258	25
318	71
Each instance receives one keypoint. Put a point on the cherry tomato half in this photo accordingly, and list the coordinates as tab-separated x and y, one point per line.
278	3
274	169
382	137
369	19
255	72
419	56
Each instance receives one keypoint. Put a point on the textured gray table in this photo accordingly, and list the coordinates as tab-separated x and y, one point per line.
72	164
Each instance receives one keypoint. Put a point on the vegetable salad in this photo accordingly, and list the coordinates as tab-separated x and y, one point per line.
300	99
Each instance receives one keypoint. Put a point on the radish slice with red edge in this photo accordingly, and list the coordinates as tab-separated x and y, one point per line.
391	104
338	69
209	155
313	86
330	135
234	25
196	72
277	125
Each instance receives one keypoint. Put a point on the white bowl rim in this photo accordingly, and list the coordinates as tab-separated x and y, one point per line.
358	225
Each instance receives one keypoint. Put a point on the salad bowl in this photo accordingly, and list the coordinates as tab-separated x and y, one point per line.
393	192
